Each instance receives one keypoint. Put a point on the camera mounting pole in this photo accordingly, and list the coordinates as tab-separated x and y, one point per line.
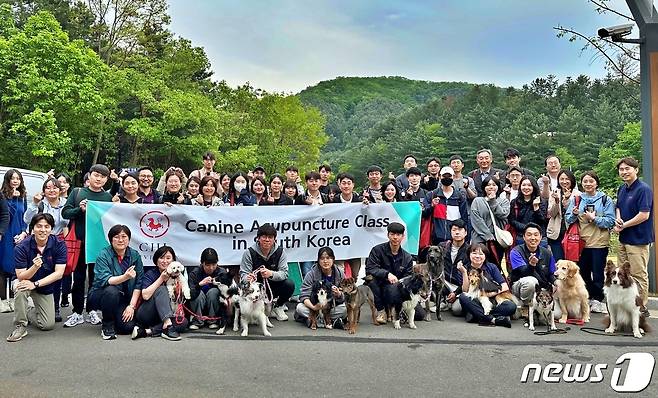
646	18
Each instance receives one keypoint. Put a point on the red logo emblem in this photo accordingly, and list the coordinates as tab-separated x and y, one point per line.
154	224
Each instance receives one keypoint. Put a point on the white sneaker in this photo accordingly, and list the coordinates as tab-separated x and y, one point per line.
596	307
280	314
4	306
74	320
93	318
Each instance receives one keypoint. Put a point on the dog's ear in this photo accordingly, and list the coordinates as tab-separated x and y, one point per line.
626	267
572	268
610	266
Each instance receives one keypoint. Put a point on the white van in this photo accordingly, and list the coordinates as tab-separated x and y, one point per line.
33	179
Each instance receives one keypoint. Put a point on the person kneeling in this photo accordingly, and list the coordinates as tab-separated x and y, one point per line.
387	263
482	283
155	315
117	284
267	262
40	261
326	273
204	294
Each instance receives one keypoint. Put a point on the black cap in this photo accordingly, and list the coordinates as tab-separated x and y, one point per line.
261	168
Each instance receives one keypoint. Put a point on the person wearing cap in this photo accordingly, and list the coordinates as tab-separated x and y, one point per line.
401	180
414	192
75	210
259	171
443	205
431	180
266	261
207	169
386	264
484	159
373	191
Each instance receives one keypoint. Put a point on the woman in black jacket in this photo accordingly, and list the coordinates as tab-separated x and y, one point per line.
528	207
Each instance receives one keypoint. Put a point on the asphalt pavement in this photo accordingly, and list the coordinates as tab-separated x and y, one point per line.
447	358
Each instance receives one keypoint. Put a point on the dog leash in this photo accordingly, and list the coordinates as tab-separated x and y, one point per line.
601	332
554	331
179	315
269	295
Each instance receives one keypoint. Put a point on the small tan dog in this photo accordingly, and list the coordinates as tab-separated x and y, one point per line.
571	291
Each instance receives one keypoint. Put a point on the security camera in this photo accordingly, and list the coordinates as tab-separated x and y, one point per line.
616	31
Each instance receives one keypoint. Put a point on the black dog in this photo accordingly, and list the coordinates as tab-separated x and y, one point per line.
321	294
412	289
227	289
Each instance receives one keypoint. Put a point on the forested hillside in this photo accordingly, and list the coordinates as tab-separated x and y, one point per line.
575	118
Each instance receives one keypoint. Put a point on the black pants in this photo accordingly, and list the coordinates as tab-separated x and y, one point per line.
112	302
388	294
281	289
506	308
592	269
82	270
152	313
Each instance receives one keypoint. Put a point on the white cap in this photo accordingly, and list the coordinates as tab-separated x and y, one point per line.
447	170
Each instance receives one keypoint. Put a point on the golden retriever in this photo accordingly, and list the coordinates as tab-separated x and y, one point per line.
571	292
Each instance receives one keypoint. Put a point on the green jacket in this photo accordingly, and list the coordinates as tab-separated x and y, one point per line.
107	266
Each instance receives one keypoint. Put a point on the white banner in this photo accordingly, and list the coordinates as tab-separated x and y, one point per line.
351	230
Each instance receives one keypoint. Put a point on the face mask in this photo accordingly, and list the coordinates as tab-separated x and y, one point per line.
239	187
447	181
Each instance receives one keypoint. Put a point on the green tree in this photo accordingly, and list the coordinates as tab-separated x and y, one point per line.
628	143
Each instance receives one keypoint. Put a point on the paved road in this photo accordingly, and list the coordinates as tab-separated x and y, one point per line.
448	358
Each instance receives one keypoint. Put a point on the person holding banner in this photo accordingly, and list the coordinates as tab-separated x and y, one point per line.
210	194
239	194
117	284
75	210
266	262
324	270
154	316
347	195
173	192
387	263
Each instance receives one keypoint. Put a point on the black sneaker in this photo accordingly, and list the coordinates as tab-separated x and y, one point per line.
64	303
138	333
645	312
108	334
503	321
170	334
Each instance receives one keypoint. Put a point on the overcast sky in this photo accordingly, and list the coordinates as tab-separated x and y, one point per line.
288	45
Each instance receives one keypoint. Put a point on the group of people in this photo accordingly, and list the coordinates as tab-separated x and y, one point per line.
460	212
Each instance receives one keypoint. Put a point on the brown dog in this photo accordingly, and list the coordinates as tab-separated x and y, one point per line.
355	296
571	292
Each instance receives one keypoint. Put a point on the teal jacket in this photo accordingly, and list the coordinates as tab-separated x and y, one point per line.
107	266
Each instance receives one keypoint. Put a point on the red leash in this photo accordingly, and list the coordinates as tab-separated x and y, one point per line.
179	315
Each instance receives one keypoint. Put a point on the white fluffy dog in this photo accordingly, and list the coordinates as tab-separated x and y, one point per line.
251	308
176	272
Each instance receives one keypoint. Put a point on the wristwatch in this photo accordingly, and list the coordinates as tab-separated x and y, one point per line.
36	284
